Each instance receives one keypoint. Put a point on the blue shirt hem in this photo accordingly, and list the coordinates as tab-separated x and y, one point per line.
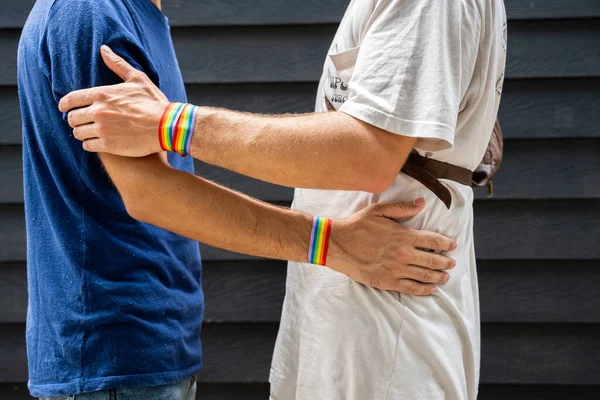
79	386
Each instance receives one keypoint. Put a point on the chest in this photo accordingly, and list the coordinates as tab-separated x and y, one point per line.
342	55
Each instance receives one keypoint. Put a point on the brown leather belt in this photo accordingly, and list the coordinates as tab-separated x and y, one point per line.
429	172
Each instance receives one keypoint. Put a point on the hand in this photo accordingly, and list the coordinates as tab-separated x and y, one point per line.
121	119
371	248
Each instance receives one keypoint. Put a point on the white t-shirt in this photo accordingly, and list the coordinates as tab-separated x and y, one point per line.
431	69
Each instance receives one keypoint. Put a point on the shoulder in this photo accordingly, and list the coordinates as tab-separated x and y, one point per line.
72	16
88	7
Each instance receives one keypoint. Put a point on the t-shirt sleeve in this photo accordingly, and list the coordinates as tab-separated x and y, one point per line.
414	63
75	32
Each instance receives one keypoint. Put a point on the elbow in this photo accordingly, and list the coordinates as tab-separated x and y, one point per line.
135	209
376	180
381	183
135	204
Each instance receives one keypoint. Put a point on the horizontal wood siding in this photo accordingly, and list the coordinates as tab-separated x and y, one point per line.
538	256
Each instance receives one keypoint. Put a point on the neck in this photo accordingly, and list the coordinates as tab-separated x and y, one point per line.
157	3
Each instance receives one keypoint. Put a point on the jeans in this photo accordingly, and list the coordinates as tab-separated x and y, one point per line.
184	390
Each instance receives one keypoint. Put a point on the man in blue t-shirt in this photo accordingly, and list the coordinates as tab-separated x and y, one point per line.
115	305
113	302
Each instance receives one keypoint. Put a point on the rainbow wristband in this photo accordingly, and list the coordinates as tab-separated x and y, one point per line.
176	128
319	241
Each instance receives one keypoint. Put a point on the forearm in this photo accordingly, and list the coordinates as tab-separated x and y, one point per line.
194	207
321	151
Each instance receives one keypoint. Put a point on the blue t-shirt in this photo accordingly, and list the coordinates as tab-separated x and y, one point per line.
113	302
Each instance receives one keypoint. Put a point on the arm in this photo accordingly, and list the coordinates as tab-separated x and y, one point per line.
191	206
155	193
323	151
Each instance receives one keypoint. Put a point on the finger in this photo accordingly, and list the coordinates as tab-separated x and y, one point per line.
94	145
432	241
426	275
80	116
117	64
432	260
400	209
86	132
77	99
408	286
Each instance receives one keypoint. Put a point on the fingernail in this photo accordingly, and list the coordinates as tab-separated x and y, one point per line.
454	246
446	278
105	49
418	202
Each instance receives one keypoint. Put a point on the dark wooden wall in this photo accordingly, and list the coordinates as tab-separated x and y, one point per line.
537	239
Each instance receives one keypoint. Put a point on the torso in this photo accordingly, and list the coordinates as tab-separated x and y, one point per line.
112	301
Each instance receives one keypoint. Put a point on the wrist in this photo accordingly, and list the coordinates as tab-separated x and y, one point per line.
318	245
204	127
153	136
176	128
301	238
337	257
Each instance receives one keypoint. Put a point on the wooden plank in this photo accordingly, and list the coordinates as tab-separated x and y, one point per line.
536	169
10	114
539	291
525	174
260	391
12	233
504	230
537	392
531	108
274	12
509	230
550	108
511	354
252	291
11	178
536	49
13	367
542	354
13	293
283	54
13	13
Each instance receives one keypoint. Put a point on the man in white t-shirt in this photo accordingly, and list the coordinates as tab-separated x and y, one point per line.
420	75
426	69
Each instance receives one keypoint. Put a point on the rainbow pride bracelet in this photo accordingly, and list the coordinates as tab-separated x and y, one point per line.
176	128
319	241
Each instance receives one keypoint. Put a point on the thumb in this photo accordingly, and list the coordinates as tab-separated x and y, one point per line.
117	64
400	209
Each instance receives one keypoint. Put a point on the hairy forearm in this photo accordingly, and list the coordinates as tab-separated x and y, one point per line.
196	208
320	151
